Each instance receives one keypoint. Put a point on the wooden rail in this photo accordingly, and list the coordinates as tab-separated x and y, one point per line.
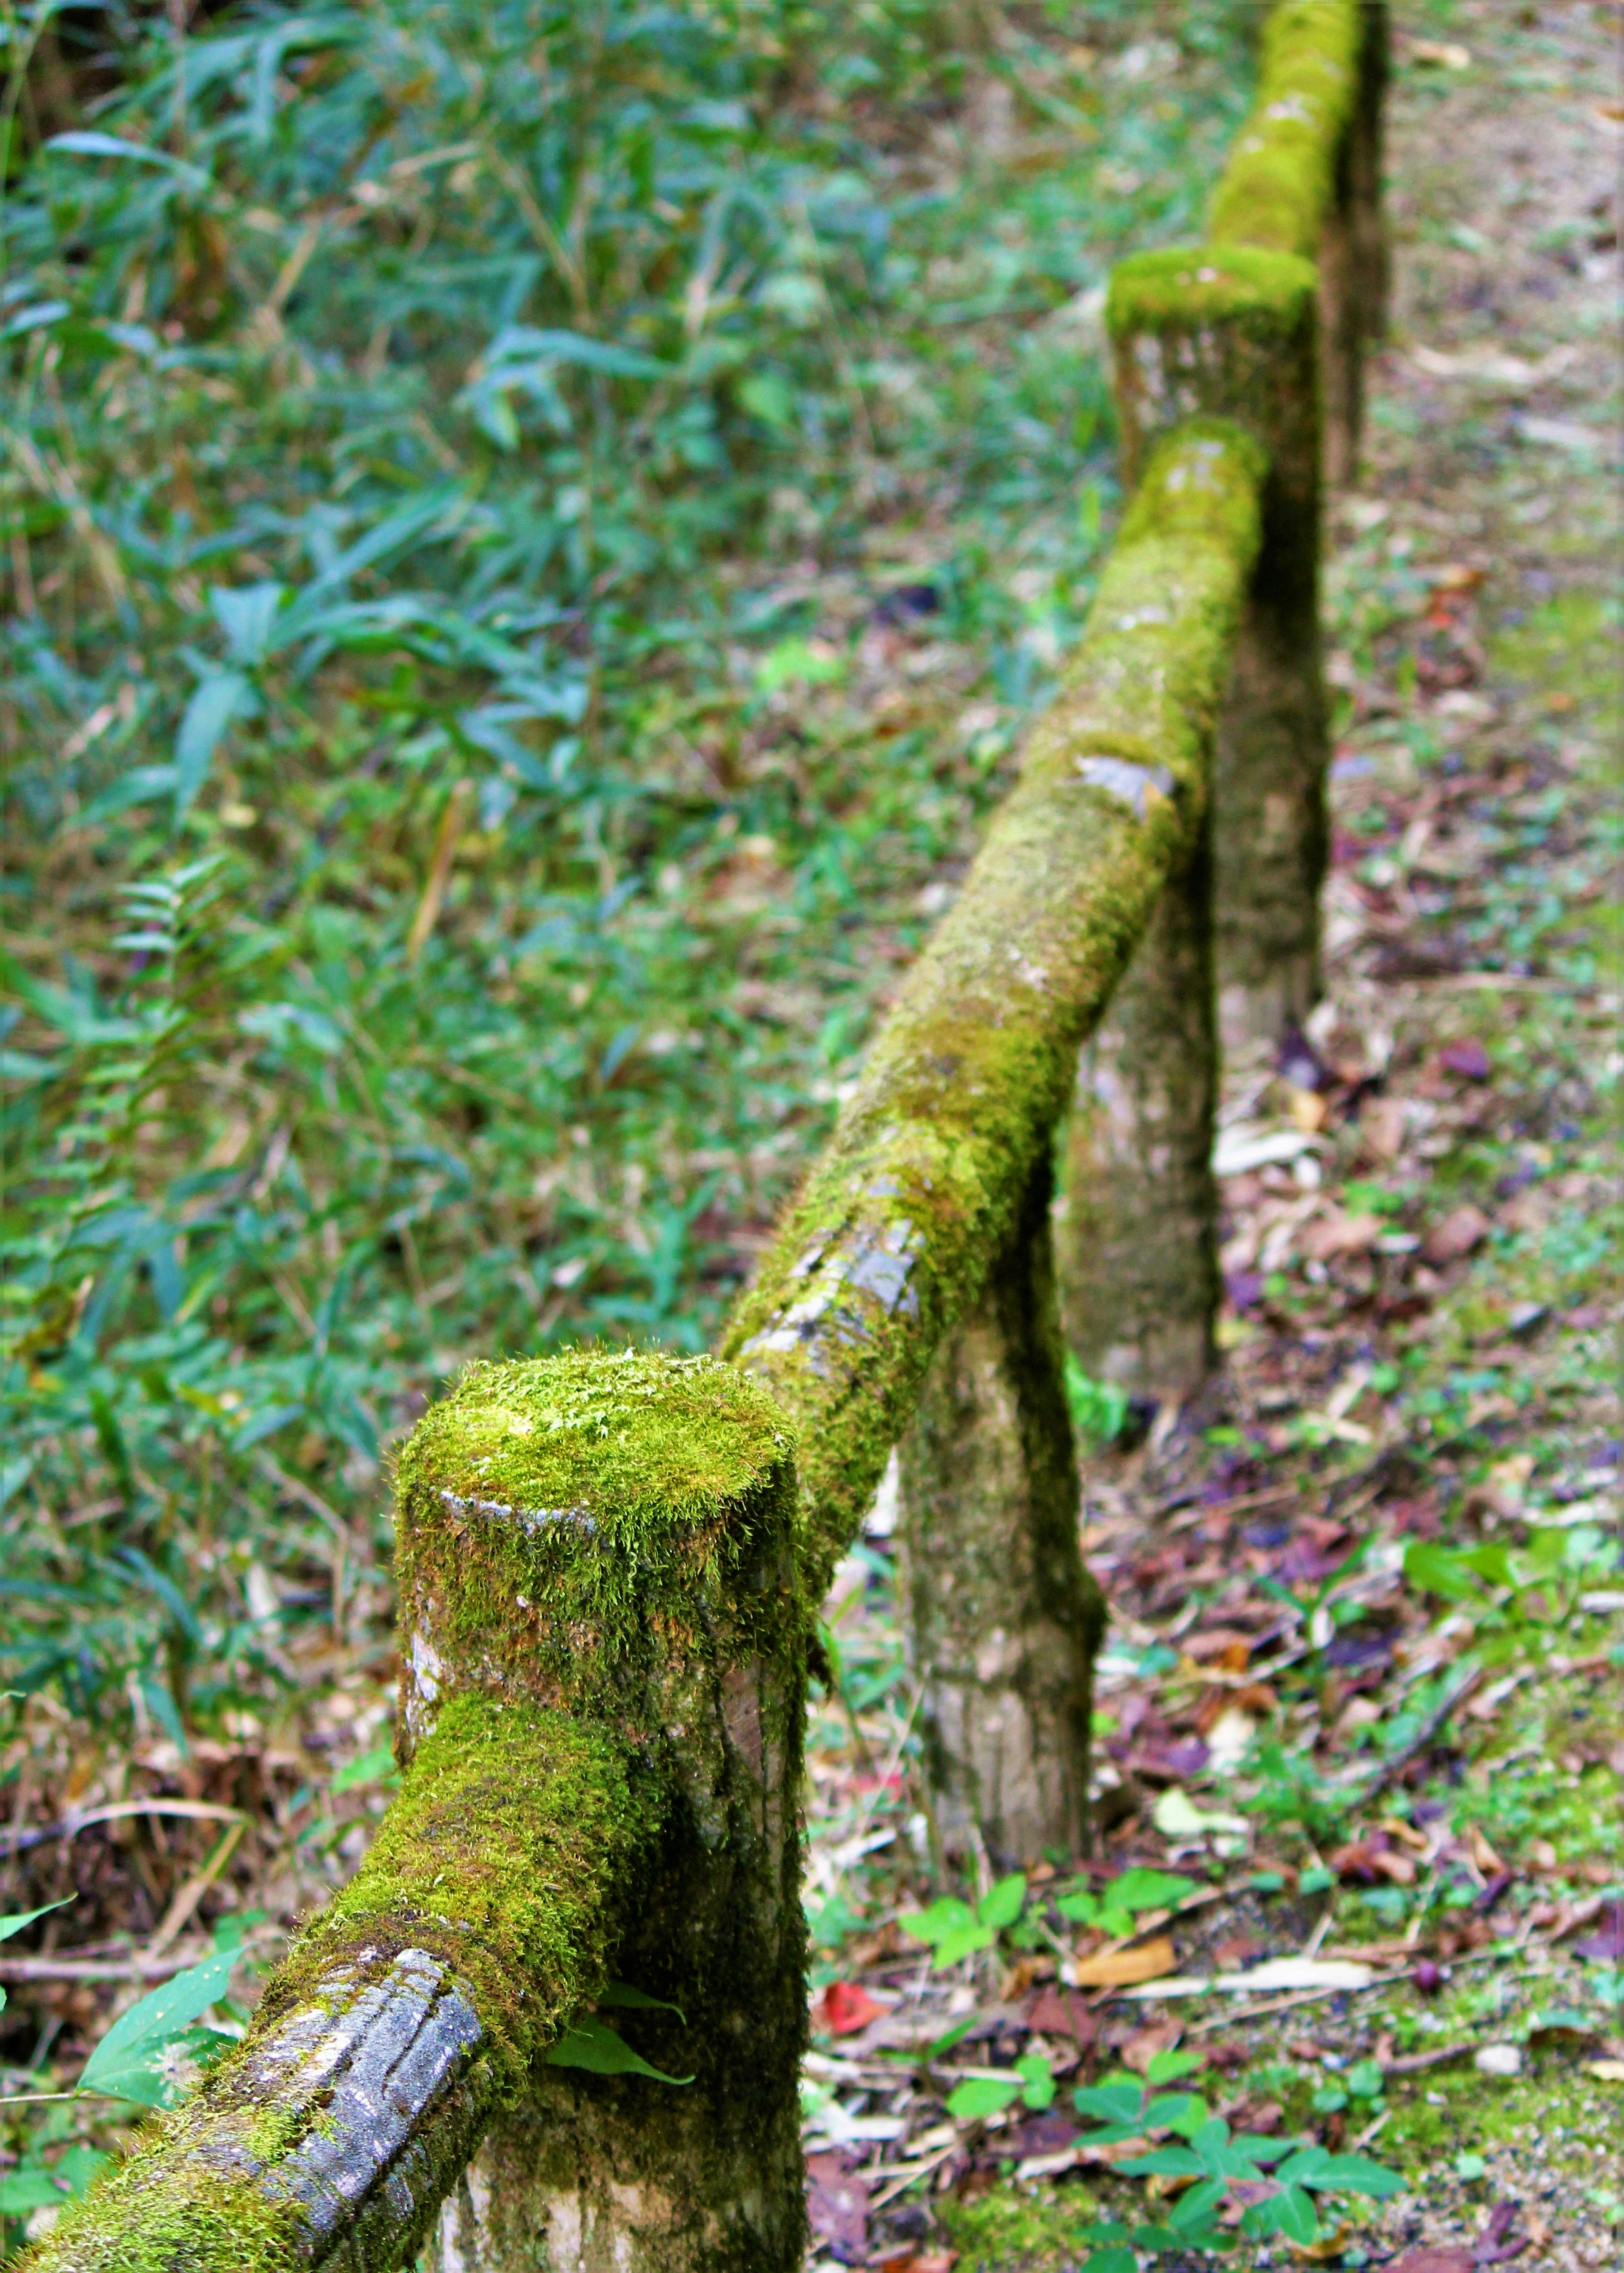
555	2019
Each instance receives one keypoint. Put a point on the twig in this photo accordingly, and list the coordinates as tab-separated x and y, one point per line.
71	1825
1298	1997
191	1894
1392	1769
1413	2063
68	1969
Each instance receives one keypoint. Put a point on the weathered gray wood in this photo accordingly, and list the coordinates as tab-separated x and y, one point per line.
1136	1241
1003	1617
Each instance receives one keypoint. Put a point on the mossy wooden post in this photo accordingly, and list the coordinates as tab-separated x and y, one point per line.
1137	1236
1232	331
1351	254
1003	1616
602	1633
1373	258
588	2172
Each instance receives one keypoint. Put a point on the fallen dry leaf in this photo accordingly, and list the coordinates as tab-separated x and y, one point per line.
1467	1058
1381	1125
1433	2260
1606	2071
1447	55
1138	2051
1055	2011
1341	1235
1323	2251
1114	1968
837	2205
1482	1855
1461	1230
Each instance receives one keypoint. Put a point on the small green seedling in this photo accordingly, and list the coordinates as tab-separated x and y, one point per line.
953	1929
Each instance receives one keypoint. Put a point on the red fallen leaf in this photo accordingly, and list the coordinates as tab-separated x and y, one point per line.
845	2007
1433	2260
837	2207
1057	2011
1461	1230
1467	1058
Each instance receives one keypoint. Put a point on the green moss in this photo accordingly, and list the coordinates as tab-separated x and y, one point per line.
894	1231
194	2221
1279	185
574	1525
1016	2230
646	1503
1184	288
1230	332
508	1855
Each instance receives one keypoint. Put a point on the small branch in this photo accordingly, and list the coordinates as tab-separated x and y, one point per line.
1391	1770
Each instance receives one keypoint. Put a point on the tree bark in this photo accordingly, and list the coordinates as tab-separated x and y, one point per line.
1136	1243
1004	1617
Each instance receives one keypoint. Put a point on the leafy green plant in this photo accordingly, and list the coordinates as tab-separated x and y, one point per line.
1099	1409
1114	1907
1029	2081
1209	2158
134	2060
953	1929
17	1919
409	417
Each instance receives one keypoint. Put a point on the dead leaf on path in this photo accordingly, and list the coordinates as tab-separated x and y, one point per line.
1484	1855
1382	1126
1219	1642
1467	1058
1606	2071
1447	55
1114	1969
1341	1235
837	2206
1462	1230
1323	2251
1433	2260
1138	2051
845	2007
1055	2011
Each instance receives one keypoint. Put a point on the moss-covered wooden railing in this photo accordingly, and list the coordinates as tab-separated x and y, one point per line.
588	1885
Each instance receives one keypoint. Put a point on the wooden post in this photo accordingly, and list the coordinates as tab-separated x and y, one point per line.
605	2173
1232	331
1004	1617
1352	254
1136	1241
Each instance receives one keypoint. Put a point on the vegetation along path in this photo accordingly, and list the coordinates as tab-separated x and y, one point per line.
561	863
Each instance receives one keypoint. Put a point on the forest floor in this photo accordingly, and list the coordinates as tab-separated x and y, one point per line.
1368	1618
1386	1549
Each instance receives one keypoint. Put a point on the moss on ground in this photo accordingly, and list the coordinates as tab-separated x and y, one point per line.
1019	2229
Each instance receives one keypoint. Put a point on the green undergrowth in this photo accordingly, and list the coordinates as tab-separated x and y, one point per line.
1039	2229
532	536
